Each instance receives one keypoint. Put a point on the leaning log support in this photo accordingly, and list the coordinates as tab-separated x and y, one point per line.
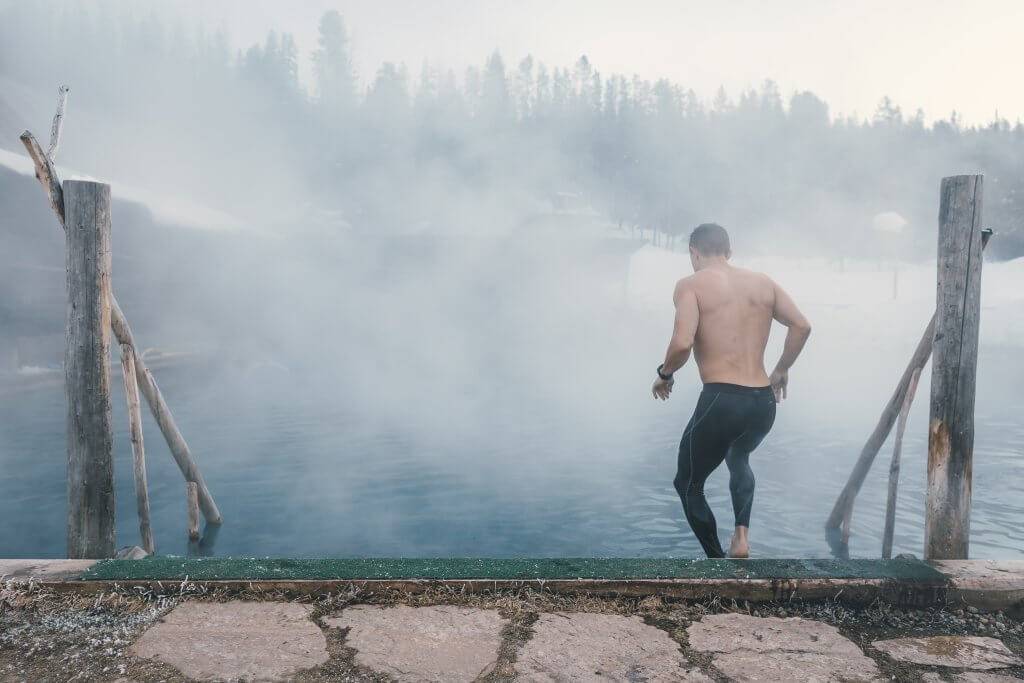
951	425
894	469
90	529
164	418
192	499
131	393
843	507
844	504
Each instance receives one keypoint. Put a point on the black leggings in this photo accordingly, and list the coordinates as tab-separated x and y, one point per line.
729	422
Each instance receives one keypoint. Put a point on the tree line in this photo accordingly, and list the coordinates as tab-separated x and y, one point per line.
493	145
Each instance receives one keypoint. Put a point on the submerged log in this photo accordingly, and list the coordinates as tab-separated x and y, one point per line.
90	433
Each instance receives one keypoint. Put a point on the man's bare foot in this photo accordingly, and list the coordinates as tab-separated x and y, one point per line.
739	548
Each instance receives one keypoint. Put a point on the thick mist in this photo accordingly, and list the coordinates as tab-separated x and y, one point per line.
432	302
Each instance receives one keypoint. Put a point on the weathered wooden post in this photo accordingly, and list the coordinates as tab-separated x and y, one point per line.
951	425
86	371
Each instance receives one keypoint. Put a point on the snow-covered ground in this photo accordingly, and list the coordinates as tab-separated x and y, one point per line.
857	299
172	210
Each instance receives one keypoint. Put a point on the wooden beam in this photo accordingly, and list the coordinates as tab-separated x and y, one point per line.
131	392
951	425
165	419
894	469
192	496
58	122
90	527
844	503
46	174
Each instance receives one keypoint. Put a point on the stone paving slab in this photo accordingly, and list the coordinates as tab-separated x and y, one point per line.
970	677
601	647
237	640
987	584
439	643
962	652
748	648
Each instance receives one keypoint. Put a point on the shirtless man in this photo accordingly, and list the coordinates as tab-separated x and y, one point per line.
724	315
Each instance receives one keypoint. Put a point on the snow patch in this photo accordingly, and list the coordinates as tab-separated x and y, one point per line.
165	209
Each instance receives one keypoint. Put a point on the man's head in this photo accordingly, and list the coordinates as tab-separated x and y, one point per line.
708	242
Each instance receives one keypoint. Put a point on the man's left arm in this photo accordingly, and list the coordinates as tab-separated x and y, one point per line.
684	331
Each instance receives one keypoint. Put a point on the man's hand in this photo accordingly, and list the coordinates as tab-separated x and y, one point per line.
662	388
779	380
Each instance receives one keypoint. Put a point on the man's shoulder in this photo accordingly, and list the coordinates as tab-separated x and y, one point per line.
688	281
757	277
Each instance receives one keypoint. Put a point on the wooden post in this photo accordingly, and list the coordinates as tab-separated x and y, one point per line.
192	493
47	176
951	425
87	373
131	392
894	468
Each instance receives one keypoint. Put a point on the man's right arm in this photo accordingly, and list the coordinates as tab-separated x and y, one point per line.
798	330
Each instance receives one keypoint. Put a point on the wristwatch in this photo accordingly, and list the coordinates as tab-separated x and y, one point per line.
667	378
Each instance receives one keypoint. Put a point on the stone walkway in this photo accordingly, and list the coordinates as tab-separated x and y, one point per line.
282	641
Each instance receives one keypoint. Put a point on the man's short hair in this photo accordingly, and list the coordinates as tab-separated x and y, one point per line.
710	239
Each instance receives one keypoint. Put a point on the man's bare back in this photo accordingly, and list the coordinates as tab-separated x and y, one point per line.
723	317
734	317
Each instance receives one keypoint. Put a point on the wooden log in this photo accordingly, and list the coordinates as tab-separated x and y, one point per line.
90	471
131	392
165	419
192	493
47	176
58	122
894	468
844	503
951	424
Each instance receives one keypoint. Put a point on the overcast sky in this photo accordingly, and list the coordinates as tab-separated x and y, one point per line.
934	54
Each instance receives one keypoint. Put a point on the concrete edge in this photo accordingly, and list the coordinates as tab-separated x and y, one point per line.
44	570
854	591
984	584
